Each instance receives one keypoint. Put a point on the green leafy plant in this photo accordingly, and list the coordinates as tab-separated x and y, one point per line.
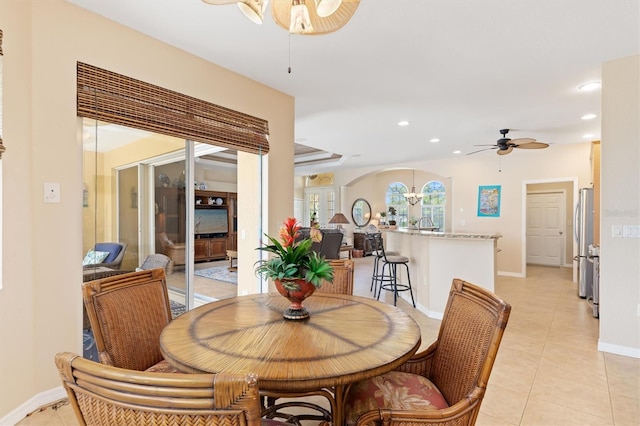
294	259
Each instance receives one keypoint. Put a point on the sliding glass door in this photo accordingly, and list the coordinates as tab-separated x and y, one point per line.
143	189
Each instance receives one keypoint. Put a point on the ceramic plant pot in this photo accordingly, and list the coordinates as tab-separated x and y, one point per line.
296	311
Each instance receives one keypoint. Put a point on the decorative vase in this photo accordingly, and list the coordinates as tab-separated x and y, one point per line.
305	289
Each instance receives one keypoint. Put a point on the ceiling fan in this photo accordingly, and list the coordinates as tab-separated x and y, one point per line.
505	145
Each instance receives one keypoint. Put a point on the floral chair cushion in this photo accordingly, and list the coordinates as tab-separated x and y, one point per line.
395	390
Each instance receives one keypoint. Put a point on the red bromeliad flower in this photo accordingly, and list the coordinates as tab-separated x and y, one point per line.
289	231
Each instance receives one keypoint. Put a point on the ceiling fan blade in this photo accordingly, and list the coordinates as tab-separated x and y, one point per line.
519	141
505	151
488	144
480	150
532	145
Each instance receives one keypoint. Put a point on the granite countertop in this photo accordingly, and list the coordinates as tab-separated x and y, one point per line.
433	234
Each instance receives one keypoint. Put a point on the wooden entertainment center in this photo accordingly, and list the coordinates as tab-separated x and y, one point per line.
208	246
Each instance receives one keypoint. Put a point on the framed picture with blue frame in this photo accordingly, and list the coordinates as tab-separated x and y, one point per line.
489	201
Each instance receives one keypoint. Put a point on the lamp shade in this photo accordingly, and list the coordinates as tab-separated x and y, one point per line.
281	11
327	7
253	9
339	218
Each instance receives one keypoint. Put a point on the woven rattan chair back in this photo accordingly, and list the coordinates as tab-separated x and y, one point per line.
127	314
102	395
470	333
343	270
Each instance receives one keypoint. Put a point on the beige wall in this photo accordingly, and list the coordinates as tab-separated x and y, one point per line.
40	304
561	162
620	205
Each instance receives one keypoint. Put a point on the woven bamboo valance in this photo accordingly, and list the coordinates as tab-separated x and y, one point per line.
114	98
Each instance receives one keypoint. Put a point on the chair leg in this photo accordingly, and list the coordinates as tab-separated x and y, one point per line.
409	284
394	273
381	279
374	276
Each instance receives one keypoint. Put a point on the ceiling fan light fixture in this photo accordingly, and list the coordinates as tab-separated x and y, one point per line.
253	9
504	151
286	13
300	21
327	7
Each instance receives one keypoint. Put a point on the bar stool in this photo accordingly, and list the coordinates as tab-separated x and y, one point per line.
389	280
376	243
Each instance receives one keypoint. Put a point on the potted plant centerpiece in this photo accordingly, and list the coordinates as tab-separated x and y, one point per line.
296	269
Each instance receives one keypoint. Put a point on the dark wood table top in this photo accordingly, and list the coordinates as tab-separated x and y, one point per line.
347	338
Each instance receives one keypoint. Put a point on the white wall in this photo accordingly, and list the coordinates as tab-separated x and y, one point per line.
620	205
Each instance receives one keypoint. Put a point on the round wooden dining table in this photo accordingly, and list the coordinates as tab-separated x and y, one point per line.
346	339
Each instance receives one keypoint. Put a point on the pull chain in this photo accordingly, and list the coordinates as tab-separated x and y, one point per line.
289	69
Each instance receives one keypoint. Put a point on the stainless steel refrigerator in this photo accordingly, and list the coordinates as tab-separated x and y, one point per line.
583	233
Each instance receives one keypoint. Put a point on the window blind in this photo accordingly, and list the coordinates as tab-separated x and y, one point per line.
107	96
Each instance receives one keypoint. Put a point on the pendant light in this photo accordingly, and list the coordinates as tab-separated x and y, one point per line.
413	197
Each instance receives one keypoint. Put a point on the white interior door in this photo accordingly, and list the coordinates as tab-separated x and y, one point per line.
545	228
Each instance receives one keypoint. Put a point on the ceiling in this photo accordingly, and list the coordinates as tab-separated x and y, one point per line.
458	71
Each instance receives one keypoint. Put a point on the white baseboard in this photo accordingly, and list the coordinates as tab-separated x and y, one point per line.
43	398
435	315
618	350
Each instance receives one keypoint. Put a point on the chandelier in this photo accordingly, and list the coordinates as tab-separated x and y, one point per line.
413	197
299	16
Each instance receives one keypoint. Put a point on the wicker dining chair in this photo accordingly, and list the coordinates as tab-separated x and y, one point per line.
127	313
343	270
444	384
102	395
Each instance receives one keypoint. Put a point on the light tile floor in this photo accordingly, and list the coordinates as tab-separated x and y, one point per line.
548	370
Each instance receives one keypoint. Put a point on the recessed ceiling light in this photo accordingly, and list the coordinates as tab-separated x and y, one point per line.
587	87
457	151
588	135
434	140
588	116
403	123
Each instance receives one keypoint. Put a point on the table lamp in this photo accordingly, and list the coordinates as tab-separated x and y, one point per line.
339	219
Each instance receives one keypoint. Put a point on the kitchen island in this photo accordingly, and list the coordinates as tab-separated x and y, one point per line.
436	258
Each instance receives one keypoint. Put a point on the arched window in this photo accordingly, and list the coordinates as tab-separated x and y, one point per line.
433	202
395	199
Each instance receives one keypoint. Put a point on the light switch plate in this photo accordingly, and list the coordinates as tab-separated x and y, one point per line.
51	192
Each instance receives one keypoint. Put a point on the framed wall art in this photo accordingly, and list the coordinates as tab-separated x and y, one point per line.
489	201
